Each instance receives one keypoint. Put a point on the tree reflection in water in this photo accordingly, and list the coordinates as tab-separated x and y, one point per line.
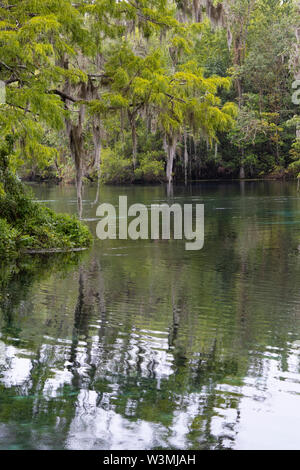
143	346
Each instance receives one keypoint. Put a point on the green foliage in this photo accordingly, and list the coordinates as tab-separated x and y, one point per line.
151	167
295	154
43	229
115	169
8	239
25	224
147	71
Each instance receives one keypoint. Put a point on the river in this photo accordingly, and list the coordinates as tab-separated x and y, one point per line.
144	345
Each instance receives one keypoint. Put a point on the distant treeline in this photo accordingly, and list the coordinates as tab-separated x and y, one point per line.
150	91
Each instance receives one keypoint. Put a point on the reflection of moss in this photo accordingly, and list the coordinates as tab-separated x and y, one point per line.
17	276
25	224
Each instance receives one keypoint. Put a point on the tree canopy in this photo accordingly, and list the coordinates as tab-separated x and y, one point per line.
123	91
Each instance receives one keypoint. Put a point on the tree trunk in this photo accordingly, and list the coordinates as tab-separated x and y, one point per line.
132	120
97	144
76	147
242	168
75	136
197	11
297	62
165	145
75	133
134	143
239	90
216	150
97	161
237	60
242	172
186	158
171	143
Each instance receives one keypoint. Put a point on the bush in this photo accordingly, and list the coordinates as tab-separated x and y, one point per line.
28	225
151	167
8	239
295	154
115	169
46	229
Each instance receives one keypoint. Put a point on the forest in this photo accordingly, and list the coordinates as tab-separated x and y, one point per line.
137	91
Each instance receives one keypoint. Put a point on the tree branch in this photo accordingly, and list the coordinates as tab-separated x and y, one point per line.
64	96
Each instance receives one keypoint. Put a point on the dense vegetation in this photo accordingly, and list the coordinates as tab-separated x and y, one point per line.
26	225
145	91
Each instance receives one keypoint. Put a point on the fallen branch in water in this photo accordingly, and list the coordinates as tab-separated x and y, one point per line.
53	250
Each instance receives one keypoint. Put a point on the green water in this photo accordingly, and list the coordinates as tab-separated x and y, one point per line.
143	345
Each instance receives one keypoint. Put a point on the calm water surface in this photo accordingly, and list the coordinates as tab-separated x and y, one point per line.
143	345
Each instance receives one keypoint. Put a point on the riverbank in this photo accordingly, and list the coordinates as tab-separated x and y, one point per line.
26	225
276	175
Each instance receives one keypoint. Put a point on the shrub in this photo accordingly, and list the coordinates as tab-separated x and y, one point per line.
26	224
151	167
115	169
295	154
8	239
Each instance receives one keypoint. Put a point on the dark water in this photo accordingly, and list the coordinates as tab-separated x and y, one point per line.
143	345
